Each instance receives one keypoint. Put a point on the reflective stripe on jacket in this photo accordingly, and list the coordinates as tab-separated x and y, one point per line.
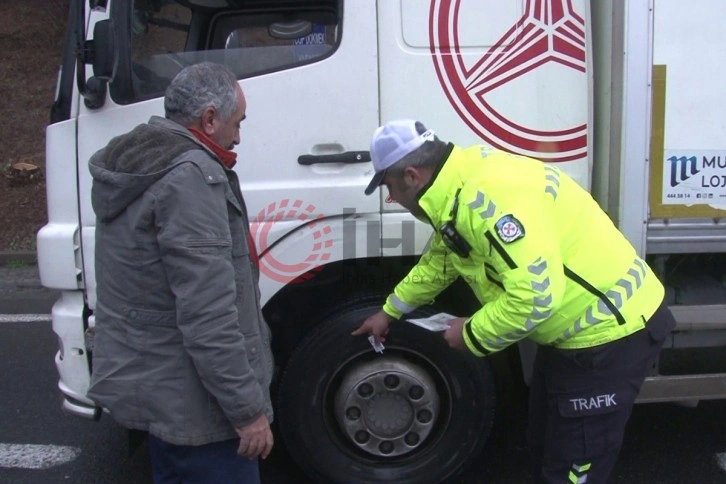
546	262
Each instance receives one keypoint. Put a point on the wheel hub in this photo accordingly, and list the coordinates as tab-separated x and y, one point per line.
387	407
388	414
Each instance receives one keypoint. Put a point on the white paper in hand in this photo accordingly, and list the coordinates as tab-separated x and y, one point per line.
378	347
437	322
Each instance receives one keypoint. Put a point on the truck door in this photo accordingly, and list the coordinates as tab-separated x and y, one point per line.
310	77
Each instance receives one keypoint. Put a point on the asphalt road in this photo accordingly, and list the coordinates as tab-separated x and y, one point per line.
21	291
665	443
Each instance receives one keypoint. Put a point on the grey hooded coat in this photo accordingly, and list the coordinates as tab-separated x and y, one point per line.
181	347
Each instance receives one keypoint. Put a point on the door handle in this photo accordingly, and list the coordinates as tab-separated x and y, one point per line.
347	157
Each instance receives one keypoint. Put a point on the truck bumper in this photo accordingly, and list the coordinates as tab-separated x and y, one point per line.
72	359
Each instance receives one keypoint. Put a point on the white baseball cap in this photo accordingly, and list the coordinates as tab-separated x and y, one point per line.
391	142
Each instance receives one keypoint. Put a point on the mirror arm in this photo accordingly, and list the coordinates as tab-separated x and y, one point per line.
94	90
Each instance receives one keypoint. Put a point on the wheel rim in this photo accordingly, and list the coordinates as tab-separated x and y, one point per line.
386	407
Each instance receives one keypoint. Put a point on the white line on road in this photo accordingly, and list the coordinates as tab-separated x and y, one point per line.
28	456
721	460
24	318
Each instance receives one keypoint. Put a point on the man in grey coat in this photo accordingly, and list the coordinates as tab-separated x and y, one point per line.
181	348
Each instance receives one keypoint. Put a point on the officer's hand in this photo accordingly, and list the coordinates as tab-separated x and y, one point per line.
455	334
255	440
377	325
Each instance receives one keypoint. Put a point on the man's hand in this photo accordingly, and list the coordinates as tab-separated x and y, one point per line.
255	440
454	335
377	325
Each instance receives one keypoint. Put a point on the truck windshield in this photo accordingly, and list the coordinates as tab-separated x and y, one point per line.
158	38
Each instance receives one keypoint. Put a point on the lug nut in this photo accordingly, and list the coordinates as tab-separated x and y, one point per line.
424	416
365	390
386	447
391	381
411	439
353	413
416	392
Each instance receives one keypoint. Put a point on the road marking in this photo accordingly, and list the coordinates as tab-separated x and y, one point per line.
24	318
28	456
721	460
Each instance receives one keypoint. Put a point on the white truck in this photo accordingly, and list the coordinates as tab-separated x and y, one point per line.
626	96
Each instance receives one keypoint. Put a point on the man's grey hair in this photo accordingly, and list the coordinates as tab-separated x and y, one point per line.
428	155
198	87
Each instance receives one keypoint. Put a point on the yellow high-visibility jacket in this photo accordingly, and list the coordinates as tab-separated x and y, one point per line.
546	262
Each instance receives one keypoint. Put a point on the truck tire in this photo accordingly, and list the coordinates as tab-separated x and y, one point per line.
420	412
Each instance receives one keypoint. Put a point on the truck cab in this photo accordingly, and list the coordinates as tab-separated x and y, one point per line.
601	89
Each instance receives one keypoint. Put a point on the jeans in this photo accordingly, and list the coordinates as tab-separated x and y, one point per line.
215	463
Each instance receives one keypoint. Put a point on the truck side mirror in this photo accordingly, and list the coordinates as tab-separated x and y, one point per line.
101	53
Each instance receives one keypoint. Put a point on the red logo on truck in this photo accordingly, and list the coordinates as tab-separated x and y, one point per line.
549	31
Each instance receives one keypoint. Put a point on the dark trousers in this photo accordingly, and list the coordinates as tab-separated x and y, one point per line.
580	402
215	463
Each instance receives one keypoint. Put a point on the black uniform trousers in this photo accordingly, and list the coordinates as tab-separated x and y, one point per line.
580	401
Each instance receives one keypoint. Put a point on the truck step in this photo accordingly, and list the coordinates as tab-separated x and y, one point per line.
683	388
699	317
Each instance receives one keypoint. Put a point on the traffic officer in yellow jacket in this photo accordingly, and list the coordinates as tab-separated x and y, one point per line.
547	264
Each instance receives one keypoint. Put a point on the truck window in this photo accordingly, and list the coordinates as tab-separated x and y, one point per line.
167	35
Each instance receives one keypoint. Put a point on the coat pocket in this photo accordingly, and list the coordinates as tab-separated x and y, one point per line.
152	331
209	245
151	317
